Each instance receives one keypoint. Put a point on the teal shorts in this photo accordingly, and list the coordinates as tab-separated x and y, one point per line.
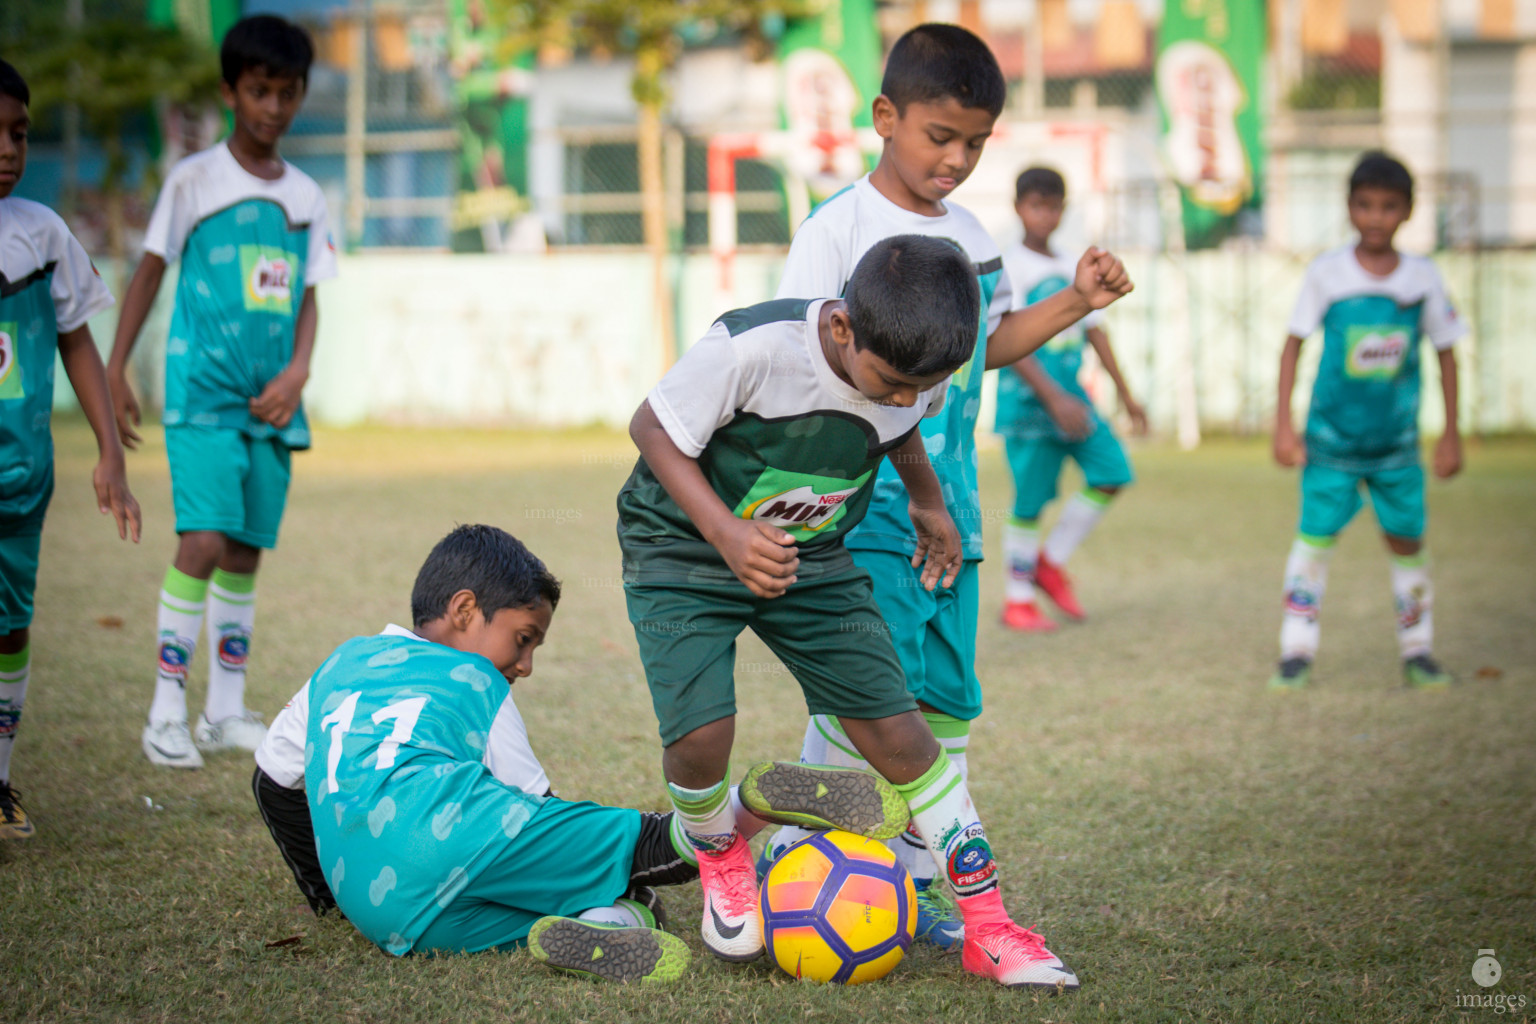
934	632
224	481
569	857
20	542
1036	465
1331	497
826	630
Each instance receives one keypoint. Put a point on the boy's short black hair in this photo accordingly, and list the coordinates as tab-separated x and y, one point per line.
914	301
12	84
492	563
276	45
1377	169
1040	181
933	62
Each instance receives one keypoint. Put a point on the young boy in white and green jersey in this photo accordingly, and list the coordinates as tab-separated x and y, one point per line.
1374	305
48	290
400	786
1045	418
250	233
759	453
940	96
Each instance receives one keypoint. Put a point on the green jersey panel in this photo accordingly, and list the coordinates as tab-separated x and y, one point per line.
237	306
1019	410
810	475
29	345
1365	401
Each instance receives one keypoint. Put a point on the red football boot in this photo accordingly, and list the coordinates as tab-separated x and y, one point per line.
1058	587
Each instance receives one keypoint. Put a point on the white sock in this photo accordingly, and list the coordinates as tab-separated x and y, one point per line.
14	670
1021	546
1415	599
747	823
182	598
946	819
954	736
1079	516
1306	578
706	815
231	619
624	913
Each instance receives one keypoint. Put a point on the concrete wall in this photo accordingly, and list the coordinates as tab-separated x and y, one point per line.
566	339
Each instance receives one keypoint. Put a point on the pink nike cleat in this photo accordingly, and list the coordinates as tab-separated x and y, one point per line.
732	927
1057	585
1026	617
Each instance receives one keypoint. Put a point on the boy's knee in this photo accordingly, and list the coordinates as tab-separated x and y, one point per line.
198	553
15	641
1404	545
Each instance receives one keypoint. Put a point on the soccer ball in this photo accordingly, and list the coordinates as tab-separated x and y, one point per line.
838	907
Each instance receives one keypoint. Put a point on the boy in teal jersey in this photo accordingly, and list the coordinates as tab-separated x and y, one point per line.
759	453
941	95
425	816
1374	305
48	290
250	232
1045	417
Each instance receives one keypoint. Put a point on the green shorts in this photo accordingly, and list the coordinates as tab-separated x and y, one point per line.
934	632
224	481
569	857
826	630
1036	465
20	542
1331	497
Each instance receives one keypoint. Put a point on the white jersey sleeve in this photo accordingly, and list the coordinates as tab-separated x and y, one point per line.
281	754
320	264
1438	320
820	261
77	290
701	392
174	215
508	754
1312	304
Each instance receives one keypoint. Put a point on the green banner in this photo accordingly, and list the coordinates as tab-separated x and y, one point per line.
491	108
1210	56
830	70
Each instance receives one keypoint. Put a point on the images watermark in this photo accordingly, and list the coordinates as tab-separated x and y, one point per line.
1487	972
559	516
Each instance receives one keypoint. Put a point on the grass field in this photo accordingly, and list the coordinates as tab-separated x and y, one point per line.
1197	848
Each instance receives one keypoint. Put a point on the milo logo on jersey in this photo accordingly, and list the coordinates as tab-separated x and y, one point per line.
10	363
1374	353
801	504
268	274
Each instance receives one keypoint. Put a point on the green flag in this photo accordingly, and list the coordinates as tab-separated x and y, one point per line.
1210	55
830	68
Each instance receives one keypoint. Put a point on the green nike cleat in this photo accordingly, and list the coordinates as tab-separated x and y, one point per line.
608	952
820	797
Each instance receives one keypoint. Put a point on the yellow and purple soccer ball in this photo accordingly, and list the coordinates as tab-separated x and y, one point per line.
838	907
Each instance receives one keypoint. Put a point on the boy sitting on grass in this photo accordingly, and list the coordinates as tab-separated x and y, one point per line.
400	787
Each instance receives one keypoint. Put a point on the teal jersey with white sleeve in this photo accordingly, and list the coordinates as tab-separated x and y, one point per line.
48	287
248	249
1035	277
826	248
406	812
1364	414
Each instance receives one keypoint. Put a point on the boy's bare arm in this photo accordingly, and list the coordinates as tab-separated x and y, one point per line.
763	557
1070	415
82	364
1448	451
938	542
279	400
1100	280
137	301
1289	449
1099	339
